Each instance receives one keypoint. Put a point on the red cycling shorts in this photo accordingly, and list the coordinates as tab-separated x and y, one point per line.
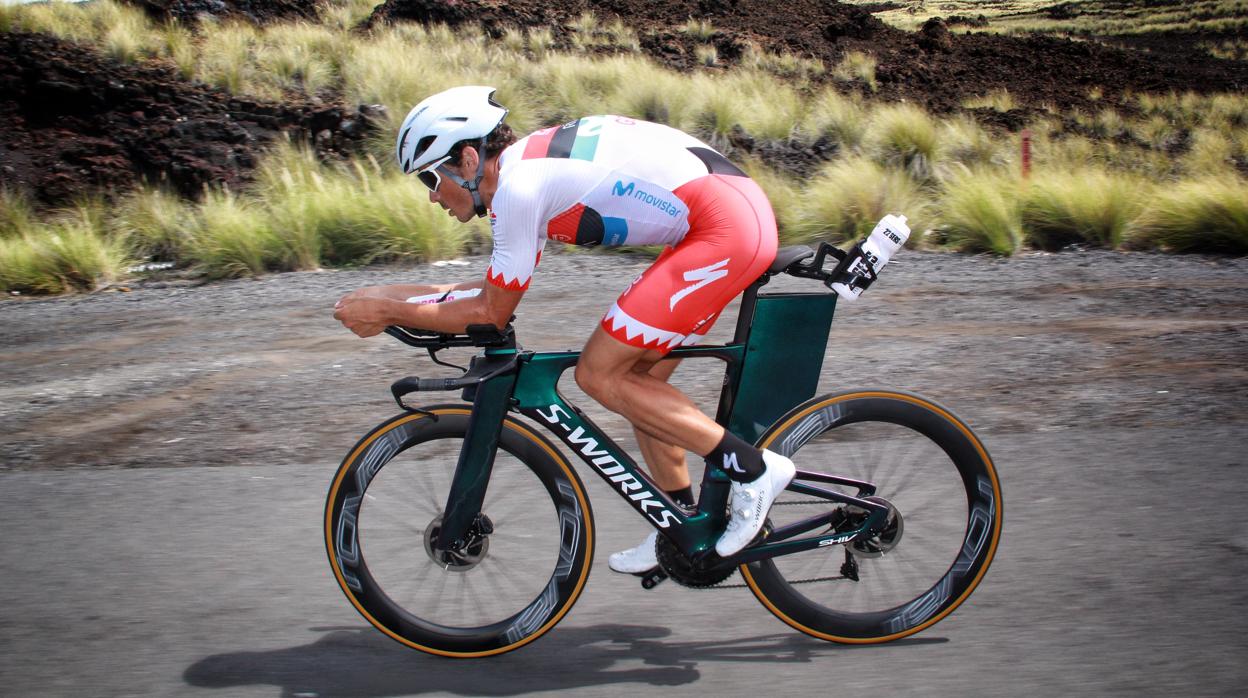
730	243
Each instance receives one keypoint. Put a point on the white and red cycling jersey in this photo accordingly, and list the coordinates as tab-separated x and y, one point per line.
610	180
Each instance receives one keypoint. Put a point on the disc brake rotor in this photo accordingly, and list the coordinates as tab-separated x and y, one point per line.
468	555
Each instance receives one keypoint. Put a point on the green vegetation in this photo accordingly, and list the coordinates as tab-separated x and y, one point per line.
911	15
589	33
1234	49
979	212
997	100
300	214
699	29
1209	214
904	136
1116	18
155	225
856	66
1093	207
1165	174
844	201
65	254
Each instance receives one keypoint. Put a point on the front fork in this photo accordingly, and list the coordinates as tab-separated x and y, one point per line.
490	399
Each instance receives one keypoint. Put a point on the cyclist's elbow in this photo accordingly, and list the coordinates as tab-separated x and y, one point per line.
495	306
487	314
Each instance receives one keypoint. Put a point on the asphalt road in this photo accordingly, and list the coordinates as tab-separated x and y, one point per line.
167	452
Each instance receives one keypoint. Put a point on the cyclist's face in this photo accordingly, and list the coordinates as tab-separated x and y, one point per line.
456	199
451	196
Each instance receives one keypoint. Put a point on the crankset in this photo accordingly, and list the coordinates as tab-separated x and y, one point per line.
707	571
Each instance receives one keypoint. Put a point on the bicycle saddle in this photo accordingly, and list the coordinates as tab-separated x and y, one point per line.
788	255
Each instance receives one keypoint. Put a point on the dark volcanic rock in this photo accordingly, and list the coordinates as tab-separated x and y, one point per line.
934	66
259	11
934	36
72	120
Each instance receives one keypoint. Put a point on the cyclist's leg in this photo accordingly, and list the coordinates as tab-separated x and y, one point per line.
731	241
618	376
665	461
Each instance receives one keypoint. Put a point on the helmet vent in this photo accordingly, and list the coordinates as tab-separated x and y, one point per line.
424	144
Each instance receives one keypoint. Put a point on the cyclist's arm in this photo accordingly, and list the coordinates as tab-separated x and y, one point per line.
401	292
493	306
370	315
518	211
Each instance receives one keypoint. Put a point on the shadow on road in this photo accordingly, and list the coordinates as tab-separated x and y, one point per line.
363	663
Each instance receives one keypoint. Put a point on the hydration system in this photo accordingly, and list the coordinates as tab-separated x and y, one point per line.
862	263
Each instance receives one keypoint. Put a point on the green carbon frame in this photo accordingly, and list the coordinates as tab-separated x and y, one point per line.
772	372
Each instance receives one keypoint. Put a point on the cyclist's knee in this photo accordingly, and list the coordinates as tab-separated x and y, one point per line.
591	380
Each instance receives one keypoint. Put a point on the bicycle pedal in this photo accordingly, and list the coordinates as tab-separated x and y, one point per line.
653	578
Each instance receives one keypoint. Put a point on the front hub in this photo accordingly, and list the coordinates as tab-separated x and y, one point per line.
468	554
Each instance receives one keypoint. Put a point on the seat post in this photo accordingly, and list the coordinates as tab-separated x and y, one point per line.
745	318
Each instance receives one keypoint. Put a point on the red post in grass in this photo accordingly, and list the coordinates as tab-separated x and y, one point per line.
1026	153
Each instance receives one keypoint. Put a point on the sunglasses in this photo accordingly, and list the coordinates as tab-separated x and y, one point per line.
430	176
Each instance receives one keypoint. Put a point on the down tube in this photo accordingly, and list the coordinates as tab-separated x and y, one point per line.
538	398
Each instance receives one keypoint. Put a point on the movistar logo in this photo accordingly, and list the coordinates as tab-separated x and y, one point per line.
632	191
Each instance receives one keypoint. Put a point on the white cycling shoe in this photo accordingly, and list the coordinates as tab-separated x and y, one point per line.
751	501
636	560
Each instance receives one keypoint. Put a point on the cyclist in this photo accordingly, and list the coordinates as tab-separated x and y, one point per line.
601	180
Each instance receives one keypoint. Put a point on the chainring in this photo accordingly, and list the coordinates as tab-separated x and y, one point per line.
712	571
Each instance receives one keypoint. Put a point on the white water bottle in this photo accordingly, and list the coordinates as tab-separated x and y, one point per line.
888	237
443	297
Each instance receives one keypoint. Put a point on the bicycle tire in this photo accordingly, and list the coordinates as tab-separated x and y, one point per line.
968	497
383	562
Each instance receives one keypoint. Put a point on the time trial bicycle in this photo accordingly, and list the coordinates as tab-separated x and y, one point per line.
460	530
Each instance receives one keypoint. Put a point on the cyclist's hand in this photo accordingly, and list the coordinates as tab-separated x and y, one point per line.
360	314
367	292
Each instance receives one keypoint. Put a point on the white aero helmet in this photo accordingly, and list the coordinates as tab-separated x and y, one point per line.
441	121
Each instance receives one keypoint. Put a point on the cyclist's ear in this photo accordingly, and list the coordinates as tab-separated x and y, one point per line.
468	159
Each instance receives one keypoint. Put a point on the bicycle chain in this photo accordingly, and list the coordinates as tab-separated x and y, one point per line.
716	587
797	581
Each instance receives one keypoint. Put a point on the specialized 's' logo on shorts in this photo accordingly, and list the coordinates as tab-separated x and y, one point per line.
703	276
